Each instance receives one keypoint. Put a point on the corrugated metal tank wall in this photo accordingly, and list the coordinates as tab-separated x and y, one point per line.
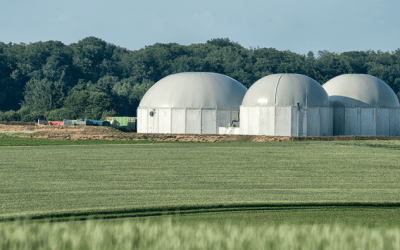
184	121
366	121
270	107
286	121
363	105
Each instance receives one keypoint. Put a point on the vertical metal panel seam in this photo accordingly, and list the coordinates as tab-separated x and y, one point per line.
185	120
344	119
170	120
320	121
146	123
216	122
276	89
375	116
201	120
389	122
259	120
275	120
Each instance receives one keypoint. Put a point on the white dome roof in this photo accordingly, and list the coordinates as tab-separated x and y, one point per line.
286	90
356	90
195	90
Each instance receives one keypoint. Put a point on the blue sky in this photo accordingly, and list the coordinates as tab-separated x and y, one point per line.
296	25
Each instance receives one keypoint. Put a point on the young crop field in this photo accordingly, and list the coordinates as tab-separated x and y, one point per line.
168	235
123	180
241	195
370	217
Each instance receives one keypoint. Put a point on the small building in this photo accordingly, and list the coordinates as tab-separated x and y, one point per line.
363	105
286	105
190	103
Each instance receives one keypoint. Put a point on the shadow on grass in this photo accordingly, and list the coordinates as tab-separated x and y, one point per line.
190	209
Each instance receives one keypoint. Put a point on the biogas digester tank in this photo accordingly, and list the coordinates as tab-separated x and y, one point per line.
363	105
286	105
190	103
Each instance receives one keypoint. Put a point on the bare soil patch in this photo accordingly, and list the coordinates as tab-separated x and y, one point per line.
106	133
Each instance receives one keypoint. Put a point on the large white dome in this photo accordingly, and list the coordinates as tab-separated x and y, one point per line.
284	90
357	90
195	90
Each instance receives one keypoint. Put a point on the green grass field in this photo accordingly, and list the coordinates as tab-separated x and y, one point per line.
280	195
88	179
346	216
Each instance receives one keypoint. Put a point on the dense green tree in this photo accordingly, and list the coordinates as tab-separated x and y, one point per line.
331	65
222	42
38	78
11	93
57	114
27	115
105	84
186	64
127	93
92	57
10	115
43	94
87	104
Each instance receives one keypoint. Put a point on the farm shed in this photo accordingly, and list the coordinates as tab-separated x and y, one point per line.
286	105
363	105
191	103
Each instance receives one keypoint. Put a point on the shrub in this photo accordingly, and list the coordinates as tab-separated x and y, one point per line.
27	115
57	115
10	115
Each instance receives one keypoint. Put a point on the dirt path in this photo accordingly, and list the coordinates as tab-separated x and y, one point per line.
106	133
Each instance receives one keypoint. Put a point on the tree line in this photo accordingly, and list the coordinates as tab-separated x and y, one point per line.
93	78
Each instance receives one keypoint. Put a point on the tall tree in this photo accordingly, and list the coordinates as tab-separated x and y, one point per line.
43	94
87	104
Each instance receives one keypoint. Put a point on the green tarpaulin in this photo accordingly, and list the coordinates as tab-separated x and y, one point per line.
127	122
